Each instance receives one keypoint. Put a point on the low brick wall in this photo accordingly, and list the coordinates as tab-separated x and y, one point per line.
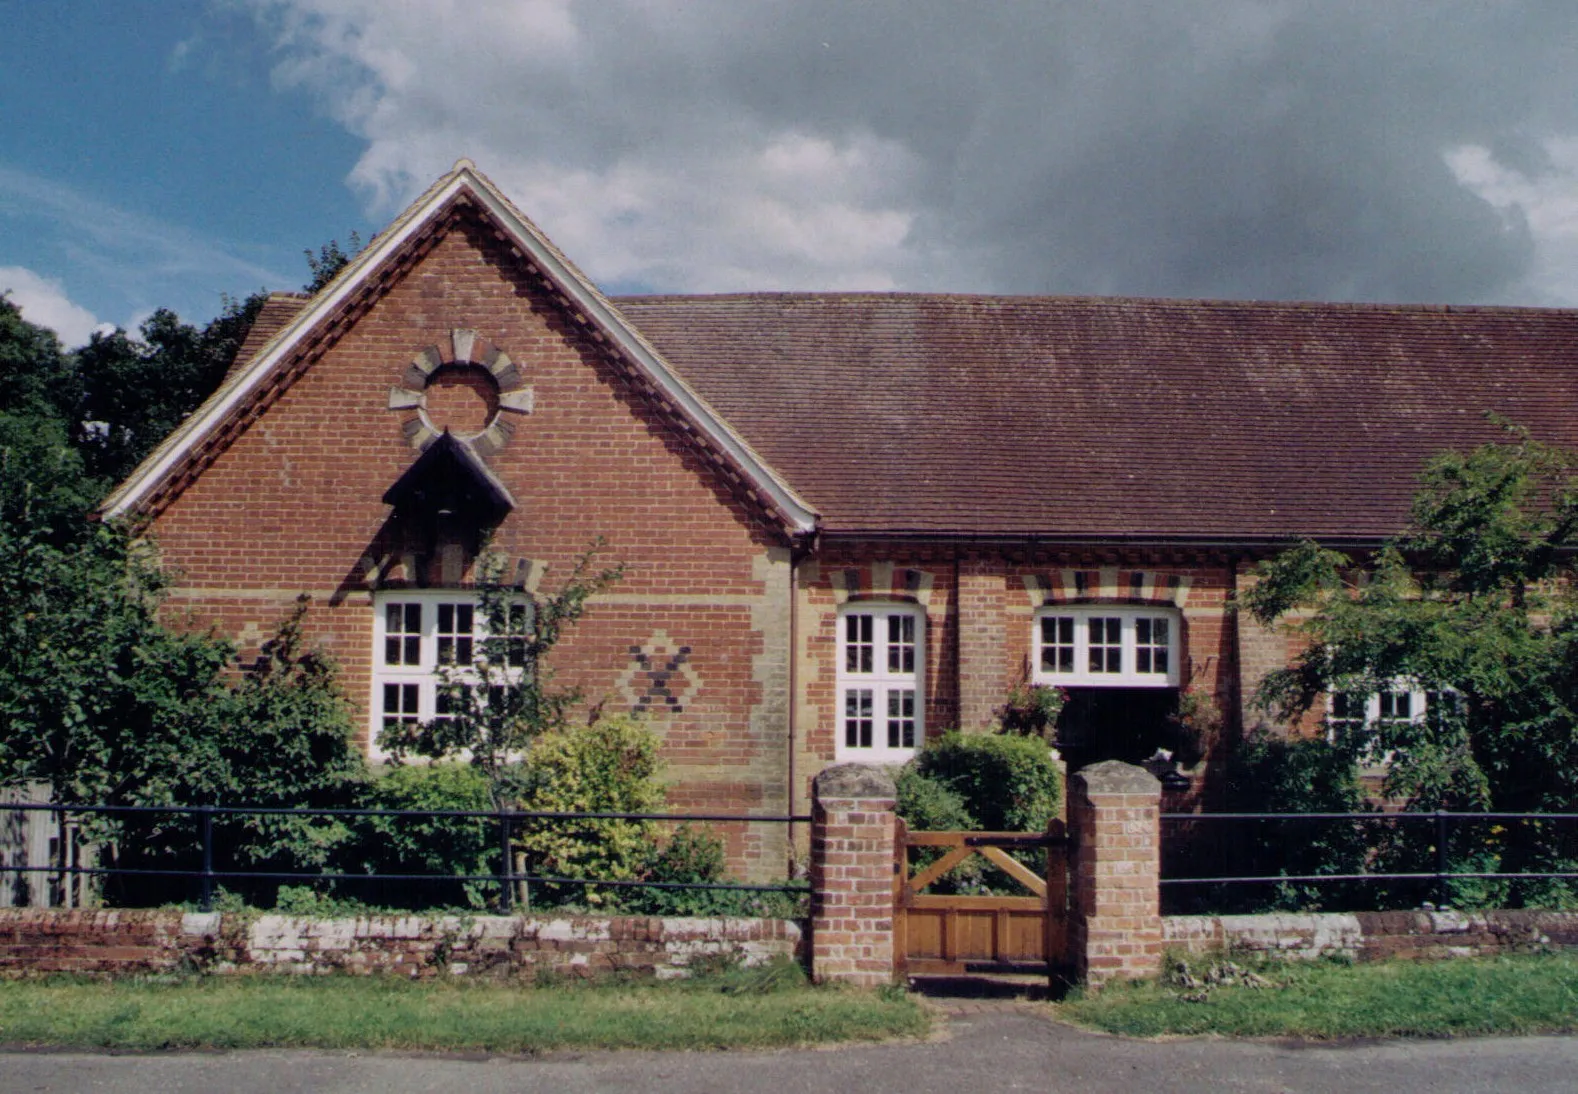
45	940
1369	936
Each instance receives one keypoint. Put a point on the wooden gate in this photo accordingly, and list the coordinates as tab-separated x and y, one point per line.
956	933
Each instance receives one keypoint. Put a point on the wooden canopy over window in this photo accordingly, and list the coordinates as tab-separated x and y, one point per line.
450	480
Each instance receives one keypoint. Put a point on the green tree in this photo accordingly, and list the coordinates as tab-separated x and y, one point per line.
1475	606
95	694
44	488
40	380
329	260
135	391
495	706
279	737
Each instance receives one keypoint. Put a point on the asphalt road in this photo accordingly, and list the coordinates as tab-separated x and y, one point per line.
986	1052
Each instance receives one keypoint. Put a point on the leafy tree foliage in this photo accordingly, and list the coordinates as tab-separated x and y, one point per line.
1476	604
95	694
39	378
42	481
281	738
1007	783
277	738
609	766
135	391
429	845
329	260
1271	775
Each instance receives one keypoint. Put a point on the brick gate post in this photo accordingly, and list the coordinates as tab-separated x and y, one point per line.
1115	923
853	829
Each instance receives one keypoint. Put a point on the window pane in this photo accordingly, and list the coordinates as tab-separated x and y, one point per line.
454	634
1057	643
443	709
1347	705
400	705
1106	644
403	634
901	718
519	619
901	644
1150	644
857	718
1396	705
859	655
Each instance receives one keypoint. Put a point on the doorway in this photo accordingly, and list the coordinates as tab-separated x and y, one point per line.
1127	724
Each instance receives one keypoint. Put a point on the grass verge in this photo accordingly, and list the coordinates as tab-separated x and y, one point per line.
1328	1000
739	1009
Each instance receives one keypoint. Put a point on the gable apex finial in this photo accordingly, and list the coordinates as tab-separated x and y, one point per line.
464	163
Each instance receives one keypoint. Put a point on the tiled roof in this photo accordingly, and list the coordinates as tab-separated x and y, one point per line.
278	309
1046	416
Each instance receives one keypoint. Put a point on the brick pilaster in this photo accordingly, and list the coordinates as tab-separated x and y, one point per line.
853	829
982	601
1115	923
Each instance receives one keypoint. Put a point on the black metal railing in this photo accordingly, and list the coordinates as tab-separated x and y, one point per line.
1258	861
208	873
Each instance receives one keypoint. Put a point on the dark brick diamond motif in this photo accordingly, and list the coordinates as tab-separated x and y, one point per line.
657	681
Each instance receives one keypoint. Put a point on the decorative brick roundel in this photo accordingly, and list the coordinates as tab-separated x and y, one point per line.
474	390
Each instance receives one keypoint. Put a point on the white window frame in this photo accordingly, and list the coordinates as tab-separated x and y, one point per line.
1129	663
423	675
892	690
1416	699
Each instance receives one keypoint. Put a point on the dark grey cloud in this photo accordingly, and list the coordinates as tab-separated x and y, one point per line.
1189	147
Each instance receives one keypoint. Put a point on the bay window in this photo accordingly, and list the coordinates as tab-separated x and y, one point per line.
1107	646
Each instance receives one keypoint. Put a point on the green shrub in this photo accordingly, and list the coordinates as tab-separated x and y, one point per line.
279	737
965	782
1275	775
1007	783
429	845
610	766
694	854
928	805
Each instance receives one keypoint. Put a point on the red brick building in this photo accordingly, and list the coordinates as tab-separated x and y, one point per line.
848	520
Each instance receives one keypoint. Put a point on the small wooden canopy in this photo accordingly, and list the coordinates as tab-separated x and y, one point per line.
449	479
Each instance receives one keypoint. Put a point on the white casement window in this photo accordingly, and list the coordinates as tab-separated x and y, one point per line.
415	632
1107	646
1357	718
881	651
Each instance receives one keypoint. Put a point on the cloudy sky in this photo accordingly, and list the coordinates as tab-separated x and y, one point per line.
168	152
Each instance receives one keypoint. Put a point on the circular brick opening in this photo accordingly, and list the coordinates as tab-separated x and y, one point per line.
462	399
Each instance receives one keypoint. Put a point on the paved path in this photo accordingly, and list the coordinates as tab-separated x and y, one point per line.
992	1049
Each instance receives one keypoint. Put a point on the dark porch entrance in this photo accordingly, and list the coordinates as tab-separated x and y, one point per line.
1127	724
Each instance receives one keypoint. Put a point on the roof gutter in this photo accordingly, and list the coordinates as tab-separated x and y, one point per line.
1035	539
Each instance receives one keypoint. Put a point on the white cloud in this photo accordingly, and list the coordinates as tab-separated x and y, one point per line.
44	301
1544	199
1282	148
637	199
